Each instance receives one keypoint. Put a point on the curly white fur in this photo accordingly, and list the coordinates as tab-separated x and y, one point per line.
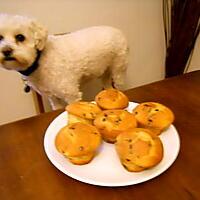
66	60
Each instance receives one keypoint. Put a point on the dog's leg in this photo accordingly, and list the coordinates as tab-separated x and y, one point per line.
107	80
118	71
76	96
56	103
118	79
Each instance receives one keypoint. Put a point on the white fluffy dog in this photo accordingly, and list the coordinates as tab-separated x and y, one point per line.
56	65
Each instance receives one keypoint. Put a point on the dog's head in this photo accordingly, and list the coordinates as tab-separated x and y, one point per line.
20	40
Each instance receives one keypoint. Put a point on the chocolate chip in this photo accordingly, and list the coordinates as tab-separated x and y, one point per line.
149	144
156	109
136	113
125	166
128	160
105	115
150	120
81	148
72	128
104	119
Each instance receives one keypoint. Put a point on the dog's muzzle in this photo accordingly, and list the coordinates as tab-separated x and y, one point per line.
8	52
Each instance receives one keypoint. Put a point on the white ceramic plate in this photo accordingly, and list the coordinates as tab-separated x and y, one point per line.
105	169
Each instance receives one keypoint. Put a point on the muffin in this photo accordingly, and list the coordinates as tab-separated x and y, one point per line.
82	112
153	116
111	99
78	142
139	149
111	123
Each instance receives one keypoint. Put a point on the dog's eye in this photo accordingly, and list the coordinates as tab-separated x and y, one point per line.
20	38
1	37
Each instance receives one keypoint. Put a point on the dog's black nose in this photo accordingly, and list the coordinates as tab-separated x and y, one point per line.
7	52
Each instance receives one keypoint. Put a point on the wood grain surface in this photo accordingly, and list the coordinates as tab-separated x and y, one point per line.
26	172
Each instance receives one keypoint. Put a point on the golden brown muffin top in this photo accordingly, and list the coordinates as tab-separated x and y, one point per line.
111	99
153	115
115	120
111	122
78	139
140	147
87	110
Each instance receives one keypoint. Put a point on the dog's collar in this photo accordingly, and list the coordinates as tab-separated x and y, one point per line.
33	67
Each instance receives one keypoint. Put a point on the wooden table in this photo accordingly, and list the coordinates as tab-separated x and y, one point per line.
26	173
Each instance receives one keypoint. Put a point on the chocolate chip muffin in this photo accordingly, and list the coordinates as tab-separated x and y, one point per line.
139	149
153	116
82	112
111	123
111	99
78	142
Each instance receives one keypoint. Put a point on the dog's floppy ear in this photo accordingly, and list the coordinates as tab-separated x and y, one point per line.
40	34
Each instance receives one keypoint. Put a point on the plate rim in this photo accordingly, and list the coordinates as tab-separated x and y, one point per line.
100	183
